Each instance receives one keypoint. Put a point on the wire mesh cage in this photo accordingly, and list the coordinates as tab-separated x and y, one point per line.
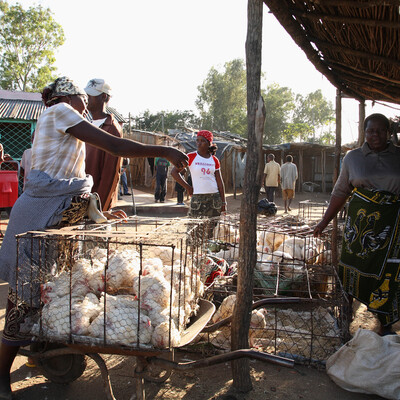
311	210
307	315
134	285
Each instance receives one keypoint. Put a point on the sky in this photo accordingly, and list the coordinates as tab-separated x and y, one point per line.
154	54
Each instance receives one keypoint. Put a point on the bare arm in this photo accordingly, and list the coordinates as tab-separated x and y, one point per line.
178	177
221	188
335	205
116	146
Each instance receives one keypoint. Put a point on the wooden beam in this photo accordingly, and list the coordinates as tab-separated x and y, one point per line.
345	20
251	190
356	4
321	44
336	170
362	74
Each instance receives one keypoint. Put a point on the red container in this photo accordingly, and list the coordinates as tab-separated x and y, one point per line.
8	188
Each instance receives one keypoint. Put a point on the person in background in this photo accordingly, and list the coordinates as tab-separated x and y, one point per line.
161	166
180	190
57	192
26	162
369	265
102	166
123	187
288	181
207	189
272	172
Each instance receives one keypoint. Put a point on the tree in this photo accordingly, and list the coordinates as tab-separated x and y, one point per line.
28	40
164	120
222	99
279	105
316	112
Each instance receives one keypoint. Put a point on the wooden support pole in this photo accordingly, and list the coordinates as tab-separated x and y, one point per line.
323	170
251	190
234	163
361	118
336	170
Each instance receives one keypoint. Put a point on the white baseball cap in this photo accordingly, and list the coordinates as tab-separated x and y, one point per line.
96	87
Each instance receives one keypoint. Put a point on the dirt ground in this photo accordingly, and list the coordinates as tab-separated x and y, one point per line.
211	383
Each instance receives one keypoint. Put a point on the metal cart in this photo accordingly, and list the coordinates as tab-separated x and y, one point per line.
62	357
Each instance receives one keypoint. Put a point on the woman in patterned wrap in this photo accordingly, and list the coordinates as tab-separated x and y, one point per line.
56	192
369	263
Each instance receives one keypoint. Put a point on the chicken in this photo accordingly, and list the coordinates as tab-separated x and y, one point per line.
225	310
294	246
222	337
161	336
165	253
152	288
271	239
122	322
122	268
56	316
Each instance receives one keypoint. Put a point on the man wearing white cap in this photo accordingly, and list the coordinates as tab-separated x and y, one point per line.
103	167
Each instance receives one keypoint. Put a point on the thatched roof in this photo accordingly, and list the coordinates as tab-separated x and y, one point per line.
354	43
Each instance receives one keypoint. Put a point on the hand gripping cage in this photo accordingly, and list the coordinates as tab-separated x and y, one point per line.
134	285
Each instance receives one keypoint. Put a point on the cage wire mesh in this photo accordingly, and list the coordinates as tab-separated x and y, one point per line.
135	284
311	210
291	263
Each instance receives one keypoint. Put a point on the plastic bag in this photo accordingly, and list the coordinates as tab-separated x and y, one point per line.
266	208
368	363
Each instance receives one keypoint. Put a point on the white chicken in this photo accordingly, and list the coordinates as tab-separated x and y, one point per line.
122	322
122	268
294	246
257	325
165	253
56	315
222	337
161	336
272	240
225	310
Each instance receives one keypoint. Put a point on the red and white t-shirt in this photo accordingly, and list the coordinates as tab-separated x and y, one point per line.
202	171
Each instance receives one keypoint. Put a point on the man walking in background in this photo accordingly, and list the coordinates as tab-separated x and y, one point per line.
103	167
288	181
272	172
161	165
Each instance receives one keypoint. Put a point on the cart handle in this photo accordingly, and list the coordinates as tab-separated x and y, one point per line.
222	358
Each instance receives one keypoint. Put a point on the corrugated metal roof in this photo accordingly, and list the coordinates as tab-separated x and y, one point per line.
20	109
28	106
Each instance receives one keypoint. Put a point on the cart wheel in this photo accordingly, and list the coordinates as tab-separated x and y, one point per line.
61	369
156	374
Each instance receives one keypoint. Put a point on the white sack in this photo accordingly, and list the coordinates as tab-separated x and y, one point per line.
368	363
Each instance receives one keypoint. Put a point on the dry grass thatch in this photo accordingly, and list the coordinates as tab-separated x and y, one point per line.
355	44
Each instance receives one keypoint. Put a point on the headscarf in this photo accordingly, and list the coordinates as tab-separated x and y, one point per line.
63	86
206	134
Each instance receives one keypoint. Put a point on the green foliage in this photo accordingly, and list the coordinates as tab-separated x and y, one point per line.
222	104
316	112
222	99
28	40
297	131
279	105
164	120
